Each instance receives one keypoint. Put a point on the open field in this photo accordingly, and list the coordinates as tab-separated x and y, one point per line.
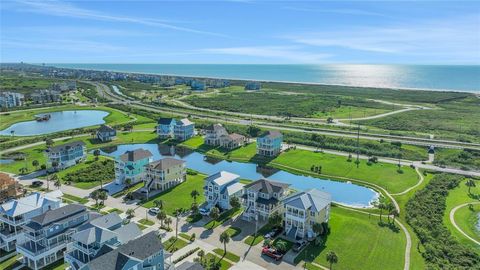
465	159
88	174
24	84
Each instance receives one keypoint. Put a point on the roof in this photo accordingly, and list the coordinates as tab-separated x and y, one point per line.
235	136
29	203
63	147
128	232
190	266
92	235
166	121
184	122
6	180
312	199
58	214
215	127
271	134
234	188
107	221
105	128
165	163
266	186
137	250
135	155
221	178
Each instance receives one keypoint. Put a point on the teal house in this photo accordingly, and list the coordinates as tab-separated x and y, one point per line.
269	144
131	165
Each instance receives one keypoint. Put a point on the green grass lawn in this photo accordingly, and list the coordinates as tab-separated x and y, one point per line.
146	222
85	166
233	231
360	243
185	236
75	198
467	218
10	263
118	211
222	218
288	244
229	255
244	153
253	241
463	217
179	196
224	265
174	244
382	174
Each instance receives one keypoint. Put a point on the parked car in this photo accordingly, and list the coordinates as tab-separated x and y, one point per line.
37	183
154	210
204	212
299	245
273	233
272	253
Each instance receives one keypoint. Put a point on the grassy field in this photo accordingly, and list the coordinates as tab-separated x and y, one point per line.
224	265
222	218
359	242
229	255
467	220
465	159
382	174
86	167
75	198
24	84
463	217
179	196
244	153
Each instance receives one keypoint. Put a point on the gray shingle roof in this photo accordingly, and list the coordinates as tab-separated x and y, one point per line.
165	121
271	134
214	127
189	266
165	163
184	122
135	155
92	235
128	232
312	199
107	221
105	128
266	186
29	203
58	214
63	147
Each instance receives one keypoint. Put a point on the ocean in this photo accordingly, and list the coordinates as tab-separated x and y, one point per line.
464	78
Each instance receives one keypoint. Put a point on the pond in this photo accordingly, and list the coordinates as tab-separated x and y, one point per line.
342	192
58	121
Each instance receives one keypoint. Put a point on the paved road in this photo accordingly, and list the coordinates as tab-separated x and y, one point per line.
452	220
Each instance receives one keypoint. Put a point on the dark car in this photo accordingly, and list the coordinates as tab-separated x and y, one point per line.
37	183
299	245
272	253
273	233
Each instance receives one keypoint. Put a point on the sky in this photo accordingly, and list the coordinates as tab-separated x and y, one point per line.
240	32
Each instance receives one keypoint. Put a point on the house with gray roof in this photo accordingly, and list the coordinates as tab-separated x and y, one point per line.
47	235
99	236
65	155
131	165
142	253
164	174
304	209
165	127
14	214
106	133
190	266
263	198
269	143
219	188
213	133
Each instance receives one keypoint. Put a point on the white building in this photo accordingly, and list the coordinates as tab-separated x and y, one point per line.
220	188
263	198
213	134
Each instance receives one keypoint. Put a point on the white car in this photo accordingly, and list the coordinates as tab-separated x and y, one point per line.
204	212
154	210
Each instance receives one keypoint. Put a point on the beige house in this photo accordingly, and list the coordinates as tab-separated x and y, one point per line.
213	133
232	141
164	174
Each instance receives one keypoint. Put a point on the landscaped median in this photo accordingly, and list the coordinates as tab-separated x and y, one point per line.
229	214
173	244
229	255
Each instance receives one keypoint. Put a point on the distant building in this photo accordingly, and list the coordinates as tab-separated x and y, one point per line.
220	188
165	174
9	188
253	86
165	127
213	134
269	143
64	86
232	141
304	209
45	96
183	129
106	133
197	85
14	214
47	235
65	155
131	165
11	99
263	198
143	253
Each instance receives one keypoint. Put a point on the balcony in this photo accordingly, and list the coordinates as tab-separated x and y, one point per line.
7	234
13	222
32	236
37	249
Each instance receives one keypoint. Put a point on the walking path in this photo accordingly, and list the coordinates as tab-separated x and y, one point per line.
452	220
420	175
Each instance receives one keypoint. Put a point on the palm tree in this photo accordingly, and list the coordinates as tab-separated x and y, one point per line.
381	204
194	194
332	258
57	183
275	219
128	182
200	254
168	221
102	195
394	213
214	214
194	208
35	164
95	195
389	207
281	246
235	202
224	238
96	153
159	204
176	214
130	213
470	183
161	216
54	178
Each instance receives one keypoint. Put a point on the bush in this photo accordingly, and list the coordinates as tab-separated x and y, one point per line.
95	171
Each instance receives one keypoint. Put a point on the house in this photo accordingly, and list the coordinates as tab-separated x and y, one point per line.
142	253
219	188
269	144
232	141
106	133
103	233
165	127
11	99
263	198
213	134
253	86
47	235
9	188
189	266
45	96
304	209
164	174
16	213
131	165
197	85
183	129
65	155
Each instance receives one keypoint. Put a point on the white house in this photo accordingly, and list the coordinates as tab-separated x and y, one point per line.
183	129
220	188
303	209
263	198
66	155
106	133
213	134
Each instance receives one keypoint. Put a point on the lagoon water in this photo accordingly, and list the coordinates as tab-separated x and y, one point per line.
344	193
434	77
59	121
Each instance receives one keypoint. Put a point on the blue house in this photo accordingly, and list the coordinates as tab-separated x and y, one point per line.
197	85
66	155
183	129
131	165
165	127
269	144
253	86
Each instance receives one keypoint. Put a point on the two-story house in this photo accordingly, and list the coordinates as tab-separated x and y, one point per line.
106	133
303	209
269	144
213	134
47	235
9	188
164	174
183	129
263	198
219	188
143	253
14	214
232	141
165	127
101	234
65	155
131	165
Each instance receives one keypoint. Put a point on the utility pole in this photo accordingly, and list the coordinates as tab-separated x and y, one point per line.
358	145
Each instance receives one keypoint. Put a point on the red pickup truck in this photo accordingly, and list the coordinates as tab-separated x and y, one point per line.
272	253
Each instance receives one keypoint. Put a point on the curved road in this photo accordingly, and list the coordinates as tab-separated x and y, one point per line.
452	220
